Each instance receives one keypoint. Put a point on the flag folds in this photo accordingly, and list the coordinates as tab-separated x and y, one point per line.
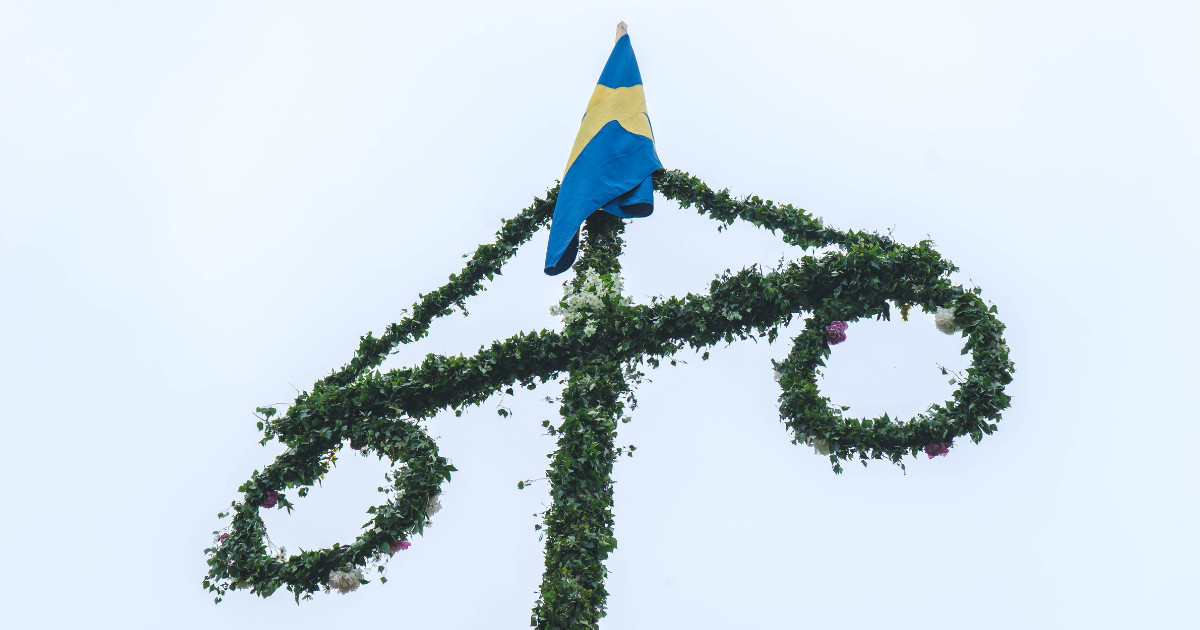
610	165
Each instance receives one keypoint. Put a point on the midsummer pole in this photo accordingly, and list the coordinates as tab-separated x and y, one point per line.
579	522
604	340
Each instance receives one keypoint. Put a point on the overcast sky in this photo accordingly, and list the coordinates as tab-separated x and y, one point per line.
204	205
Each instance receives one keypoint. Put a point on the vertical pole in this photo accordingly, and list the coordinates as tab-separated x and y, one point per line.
579	522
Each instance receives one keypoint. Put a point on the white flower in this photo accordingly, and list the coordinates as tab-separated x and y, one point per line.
820	445
944	320
434	506
345	580
778	376
590	297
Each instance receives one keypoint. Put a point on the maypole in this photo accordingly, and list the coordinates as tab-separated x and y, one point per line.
601	172
611	175
579	522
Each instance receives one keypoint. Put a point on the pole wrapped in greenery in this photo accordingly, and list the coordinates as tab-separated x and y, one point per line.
579	523
605	339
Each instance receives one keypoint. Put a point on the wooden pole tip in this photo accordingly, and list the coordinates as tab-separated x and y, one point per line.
622	29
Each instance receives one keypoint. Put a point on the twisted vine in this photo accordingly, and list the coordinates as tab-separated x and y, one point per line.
379	412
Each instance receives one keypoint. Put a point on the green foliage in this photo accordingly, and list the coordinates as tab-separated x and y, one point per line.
600	356
579	522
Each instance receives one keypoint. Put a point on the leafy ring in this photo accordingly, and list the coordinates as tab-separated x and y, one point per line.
416	483
977	400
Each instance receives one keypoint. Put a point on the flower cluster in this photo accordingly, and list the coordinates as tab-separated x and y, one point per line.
594	293
435	506
835	333
399	545
944	320
271	499
820	445
933	449
345	580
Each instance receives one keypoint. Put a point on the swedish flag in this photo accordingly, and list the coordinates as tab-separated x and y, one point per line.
611	162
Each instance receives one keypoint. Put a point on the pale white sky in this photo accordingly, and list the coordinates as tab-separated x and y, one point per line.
204	207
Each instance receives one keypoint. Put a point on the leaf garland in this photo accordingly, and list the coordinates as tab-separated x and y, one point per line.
379	412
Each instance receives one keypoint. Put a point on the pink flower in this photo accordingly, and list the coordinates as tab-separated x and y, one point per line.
271	500
400	545
933	449
835	333
224	536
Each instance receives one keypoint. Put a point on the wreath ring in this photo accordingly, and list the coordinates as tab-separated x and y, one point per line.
416	477
972	410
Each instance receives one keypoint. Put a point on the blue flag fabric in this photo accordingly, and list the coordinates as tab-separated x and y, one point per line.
610	165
